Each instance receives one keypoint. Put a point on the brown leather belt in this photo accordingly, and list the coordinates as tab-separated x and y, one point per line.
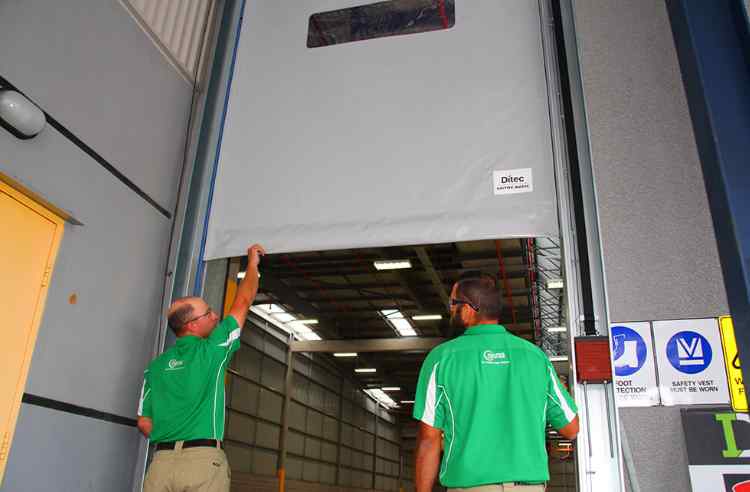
195	443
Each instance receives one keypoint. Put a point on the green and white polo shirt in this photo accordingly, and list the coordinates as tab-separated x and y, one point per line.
492	394
183	388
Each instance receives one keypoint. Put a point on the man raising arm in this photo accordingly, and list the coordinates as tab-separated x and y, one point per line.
182	400
248	287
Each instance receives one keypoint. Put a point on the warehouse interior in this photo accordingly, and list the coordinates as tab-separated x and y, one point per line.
349	414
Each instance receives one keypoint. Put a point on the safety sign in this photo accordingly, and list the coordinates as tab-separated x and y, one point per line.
633	361
732	362
688	358
717	440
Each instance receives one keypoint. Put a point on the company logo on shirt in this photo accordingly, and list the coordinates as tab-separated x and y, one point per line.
490	357
175	365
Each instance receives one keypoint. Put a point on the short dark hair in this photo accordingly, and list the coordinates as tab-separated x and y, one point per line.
481	290
181	314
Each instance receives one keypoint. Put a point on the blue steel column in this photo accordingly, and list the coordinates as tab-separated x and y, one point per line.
713	45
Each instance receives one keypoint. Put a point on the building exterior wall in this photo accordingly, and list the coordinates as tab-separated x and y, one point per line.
90	67
659	248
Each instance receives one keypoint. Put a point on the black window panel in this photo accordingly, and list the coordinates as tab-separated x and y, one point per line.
379	20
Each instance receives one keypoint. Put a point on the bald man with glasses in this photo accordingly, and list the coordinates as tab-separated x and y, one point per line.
181	408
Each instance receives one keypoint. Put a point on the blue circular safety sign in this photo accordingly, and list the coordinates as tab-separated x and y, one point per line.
628	350
689	352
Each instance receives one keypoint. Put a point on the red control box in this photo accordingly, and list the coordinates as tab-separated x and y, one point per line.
593	359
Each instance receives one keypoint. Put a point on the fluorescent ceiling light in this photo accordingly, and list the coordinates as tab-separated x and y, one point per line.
558	358
365	369
555	283
407	401
381	397
345	354
307	321
391	388
392	264
426	317
557	329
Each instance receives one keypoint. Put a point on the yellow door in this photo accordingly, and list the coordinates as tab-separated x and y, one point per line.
29	238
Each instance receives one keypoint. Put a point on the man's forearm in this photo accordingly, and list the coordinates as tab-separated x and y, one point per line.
248	288
427	465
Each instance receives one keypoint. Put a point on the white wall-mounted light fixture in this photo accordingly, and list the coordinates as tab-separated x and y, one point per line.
556	329
555	283
20	116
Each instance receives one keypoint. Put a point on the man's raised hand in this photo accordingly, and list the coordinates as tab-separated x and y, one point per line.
254	253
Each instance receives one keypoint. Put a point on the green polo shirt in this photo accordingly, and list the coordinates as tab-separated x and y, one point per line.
183	388
492	394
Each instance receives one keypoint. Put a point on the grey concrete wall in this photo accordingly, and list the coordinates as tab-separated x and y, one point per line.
62	452
96	72
659	248
659	245
89	65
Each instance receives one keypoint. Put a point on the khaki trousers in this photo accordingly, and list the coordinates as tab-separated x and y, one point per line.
502	487
199	469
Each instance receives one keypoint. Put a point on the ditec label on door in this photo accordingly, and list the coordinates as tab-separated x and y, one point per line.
633	361
690	362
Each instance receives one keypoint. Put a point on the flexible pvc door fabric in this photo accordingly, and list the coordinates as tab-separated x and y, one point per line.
426	137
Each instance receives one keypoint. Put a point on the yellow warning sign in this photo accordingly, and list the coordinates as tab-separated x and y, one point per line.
732	362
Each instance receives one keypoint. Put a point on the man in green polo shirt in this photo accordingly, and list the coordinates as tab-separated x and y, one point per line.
488	396
182	401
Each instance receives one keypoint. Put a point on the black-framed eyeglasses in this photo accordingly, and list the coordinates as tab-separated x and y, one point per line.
199	317
458	302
